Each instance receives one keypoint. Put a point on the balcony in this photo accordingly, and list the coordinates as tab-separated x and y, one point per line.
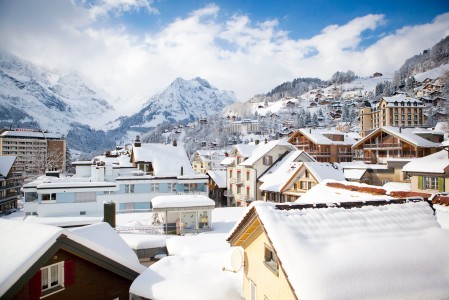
246	198
237	181
383	146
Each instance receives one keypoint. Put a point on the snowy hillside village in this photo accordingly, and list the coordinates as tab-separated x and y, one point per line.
316	190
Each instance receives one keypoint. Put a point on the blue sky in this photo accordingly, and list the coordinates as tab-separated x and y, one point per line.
301	19
135	48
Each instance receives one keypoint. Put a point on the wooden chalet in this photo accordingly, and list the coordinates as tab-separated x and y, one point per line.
324	145
390	142
41	261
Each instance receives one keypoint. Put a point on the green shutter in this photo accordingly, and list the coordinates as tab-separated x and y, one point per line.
420	182
441	187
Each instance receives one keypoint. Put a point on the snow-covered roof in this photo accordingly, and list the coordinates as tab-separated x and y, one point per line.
318	136
323	171
173	201
262	149
400	98
281	172
219	177
392	251
227	161
6	163
407	134
245	149
194	276
397	186
30	134
354	174
323	193
166	159
434	163
22	243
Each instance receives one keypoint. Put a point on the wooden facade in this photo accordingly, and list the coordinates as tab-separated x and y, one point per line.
86	274
383	144
335	150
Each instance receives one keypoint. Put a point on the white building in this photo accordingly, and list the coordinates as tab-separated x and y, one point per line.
130	182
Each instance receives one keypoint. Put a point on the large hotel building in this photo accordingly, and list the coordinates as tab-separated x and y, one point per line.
36	151
398	111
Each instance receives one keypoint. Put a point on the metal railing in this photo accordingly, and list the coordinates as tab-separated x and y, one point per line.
154	230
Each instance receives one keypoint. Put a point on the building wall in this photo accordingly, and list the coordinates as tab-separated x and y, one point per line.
91	281
268	284
415	186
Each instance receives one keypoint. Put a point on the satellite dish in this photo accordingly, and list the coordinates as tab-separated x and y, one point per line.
235	260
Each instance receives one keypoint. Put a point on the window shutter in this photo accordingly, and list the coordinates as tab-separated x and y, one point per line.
69	272
420	185
441	187
36	286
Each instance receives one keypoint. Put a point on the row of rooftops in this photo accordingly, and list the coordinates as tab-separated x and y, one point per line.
29	134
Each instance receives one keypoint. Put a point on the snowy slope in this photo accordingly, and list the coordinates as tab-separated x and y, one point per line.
182	100
47	99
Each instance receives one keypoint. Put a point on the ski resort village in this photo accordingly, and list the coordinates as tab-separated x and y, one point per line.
318	170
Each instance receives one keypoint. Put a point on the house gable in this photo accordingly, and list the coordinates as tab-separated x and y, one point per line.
70	249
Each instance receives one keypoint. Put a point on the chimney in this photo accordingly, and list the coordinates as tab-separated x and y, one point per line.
400	129
182	170
256	142
109	213
137	141
175	143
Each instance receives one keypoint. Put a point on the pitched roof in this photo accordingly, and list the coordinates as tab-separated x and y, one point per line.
262	149
401	98
38	238
318	136
166	159
281	172
407	134
219	177
6	163
323	171
434	163
245	149
389	251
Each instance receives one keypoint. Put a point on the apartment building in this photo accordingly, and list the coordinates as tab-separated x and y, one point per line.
36	151
398	110
244	127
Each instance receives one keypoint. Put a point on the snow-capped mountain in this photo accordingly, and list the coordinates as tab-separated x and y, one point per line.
34	97
183	100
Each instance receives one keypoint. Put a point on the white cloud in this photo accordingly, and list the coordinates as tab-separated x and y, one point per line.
235	54
118	7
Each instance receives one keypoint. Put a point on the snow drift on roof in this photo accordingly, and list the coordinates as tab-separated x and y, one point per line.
323	171
434	163
262	149
245	149
181	201
219	177
396	251
6	163
167	160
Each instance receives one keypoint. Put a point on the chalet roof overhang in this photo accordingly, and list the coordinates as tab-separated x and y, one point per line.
379	131
65	243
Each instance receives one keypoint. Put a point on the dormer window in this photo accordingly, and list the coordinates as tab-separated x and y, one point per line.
267	160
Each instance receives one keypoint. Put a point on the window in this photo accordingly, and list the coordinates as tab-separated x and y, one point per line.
430	183
252	290
129	188
86	197
154	187
247	176
172	187
303	185
311	184
270	259
49	197
267	160
52	277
